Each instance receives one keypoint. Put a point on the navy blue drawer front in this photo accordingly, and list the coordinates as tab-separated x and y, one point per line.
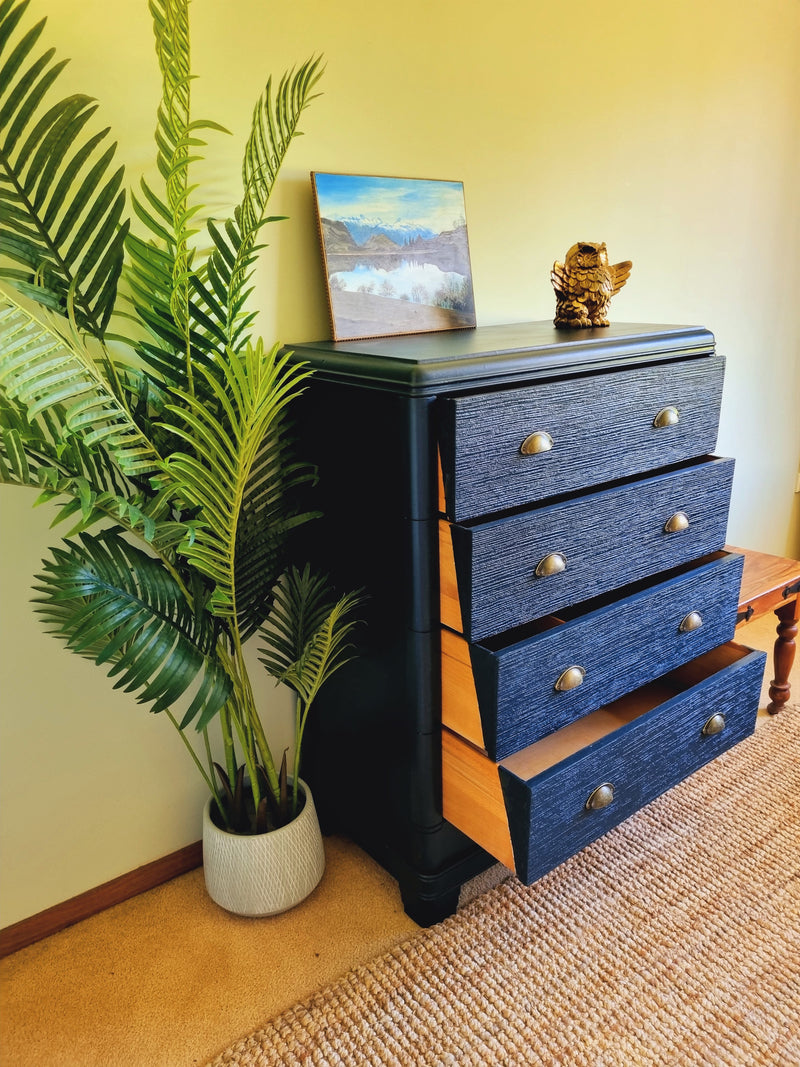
548	816
532	687
604	540
590	430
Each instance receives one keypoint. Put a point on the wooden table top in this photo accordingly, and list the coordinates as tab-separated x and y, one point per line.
765	577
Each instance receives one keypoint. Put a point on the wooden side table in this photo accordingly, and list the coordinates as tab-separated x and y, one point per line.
772	583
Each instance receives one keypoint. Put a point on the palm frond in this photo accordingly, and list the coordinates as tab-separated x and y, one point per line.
170	219
62	224
84	483
223	473
44	371
275	121
196	310
112	603
275	124
300	606
148	277
307	635
159	274
269	515
171	29
47	455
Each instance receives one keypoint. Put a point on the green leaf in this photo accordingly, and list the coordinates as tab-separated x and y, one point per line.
40	369
55	185
307	632
13	451
274	125
227	449
114	604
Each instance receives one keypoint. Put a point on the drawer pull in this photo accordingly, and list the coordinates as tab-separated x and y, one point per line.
677	522
554	563
601	797
571	678
715	725
534	443
666	417
692	621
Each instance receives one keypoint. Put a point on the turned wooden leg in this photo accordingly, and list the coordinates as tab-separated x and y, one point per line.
780	689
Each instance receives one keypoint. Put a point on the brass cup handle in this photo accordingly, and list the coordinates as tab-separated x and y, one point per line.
692	621
601	797
537	442
668	416
553	563
715	725
571	678
677	522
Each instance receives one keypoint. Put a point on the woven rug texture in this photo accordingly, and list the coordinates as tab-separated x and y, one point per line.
673	940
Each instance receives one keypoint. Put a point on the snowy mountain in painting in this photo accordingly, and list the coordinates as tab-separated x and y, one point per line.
362	227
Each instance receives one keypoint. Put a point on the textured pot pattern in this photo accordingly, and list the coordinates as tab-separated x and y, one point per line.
263	874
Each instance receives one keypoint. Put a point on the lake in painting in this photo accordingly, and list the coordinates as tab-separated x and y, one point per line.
396	254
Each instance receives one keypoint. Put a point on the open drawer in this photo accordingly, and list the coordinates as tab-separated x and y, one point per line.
534	809
505	693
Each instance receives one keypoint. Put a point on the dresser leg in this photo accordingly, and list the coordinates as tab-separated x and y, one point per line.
427	910
780	689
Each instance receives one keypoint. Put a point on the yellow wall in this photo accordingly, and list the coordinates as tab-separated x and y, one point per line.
668	130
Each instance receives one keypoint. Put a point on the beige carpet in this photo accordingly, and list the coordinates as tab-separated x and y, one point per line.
673	940
167	979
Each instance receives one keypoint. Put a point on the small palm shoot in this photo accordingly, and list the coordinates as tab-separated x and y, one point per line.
306	642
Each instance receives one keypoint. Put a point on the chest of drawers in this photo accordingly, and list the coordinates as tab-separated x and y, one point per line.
537	519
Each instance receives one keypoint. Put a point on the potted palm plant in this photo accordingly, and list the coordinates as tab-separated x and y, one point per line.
136	397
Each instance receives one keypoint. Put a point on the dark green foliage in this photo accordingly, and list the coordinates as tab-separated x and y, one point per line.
60	248
113	603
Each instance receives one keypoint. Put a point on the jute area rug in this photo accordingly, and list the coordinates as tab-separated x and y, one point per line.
673	940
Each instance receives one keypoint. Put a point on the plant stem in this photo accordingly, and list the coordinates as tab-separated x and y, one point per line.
266	756
250	761
300	725
257	739
208	779
209	756
227	743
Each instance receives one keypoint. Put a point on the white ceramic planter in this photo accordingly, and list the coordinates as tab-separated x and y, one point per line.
263	874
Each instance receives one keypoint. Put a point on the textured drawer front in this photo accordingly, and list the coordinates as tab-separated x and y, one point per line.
592	429
530	688
549	817
532	810
604	540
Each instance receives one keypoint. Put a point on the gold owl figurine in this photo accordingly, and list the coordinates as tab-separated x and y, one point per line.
584	285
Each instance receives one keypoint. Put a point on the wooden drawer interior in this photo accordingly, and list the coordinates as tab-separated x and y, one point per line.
476	797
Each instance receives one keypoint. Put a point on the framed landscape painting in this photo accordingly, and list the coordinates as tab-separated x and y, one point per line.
396	254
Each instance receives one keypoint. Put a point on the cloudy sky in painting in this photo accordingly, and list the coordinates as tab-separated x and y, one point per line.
435	205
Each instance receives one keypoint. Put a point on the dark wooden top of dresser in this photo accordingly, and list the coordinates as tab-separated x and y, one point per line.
446	361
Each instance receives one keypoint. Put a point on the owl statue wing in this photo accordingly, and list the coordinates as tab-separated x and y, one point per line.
619	275
559	276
